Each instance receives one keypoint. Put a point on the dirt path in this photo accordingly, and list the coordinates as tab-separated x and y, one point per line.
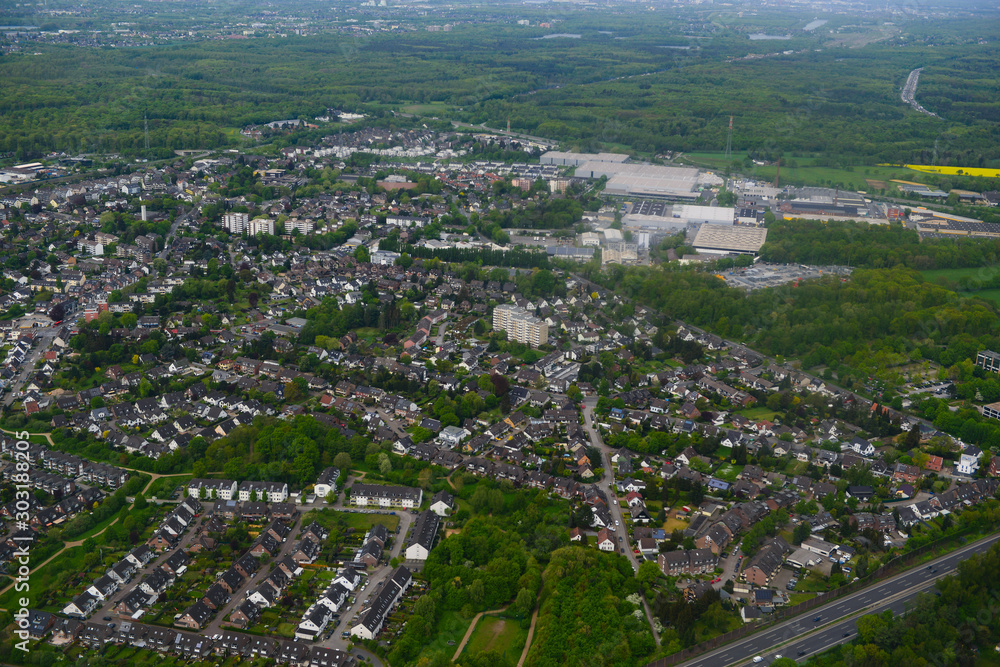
472	626
48	436
66	545
451	483
531	633
77	543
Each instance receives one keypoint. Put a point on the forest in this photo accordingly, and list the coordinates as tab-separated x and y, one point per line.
584	617
860	244
666	83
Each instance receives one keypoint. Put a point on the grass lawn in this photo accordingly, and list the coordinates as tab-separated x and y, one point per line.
329	518
759	413
451	628
954	275
729	472
164	486
673	524
805	170
286	629
797	598
722	452
971	277
813	583
427	109
497	634
796	467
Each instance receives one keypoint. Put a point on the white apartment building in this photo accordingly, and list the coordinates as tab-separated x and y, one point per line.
520	325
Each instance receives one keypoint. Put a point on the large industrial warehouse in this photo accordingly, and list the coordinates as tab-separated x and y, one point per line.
722	240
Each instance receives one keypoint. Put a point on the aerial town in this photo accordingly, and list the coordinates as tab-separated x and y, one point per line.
174	332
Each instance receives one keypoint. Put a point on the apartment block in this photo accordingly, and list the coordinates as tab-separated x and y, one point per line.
520	325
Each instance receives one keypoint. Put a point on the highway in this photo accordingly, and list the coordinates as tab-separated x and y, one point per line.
804	636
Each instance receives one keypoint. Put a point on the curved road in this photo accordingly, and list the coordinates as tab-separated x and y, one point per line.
909	94
836	624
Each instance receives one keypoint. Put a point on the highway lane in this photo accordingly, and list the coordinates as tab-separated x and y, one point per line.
805	633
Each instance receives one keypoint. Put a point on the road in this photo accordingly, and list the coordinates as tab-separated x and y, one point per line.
45	337
168	241
836	623
440	336
608	482
251	583
391	423
909	94
376	576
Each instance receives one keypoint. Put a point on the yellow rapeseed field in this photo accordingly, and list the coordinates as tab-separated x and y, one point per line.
955	171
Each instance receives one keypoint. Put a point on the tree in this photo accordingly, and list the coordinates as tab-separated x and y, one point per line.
424	606
343	462
525	602
648	573
384	464
802	531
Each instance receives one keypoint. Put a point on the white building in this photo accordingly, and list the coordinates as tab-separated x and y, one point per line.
272	492
366	495
422	536
384	257
303	226
261	226
235	223
520	325
442	503
215	489
327	482
371	620
968	463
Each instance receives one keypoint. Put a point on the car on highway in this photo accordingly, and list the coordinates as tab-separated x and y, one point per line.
758	658
817	619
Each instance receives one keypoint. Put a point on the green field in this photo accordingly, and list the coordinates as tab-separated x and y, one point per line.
497	634
804	171
450	630
965	280
970	273
797	598
989	294
759	413
431	109
329	518
729	472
